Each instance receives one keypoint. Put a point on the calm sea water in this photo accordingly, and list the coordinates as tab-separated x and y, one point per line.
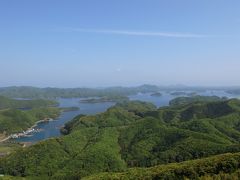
52	128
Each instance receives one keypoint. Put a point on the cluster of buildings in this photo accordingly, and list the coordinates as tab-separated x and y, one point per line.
24	133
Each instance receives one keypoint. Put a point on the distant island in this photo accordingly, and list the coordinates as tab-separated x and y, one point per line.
186	100
182	93
157	94
67	109
233	91
105	99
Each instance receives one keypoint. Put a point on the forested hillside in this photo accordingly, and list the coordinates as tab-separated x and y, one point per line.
224	167
6	103
19	115
14	121
136	134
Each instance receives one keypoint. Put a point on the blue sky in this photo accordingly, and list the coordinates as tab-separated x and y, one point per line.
75	43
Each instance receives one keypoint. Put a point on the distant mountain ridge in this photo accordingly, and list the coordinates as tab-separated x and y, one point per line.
25	104
51	92
33	92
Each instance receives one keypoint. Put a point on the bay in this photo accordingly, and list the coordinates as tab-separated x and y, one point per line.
52	128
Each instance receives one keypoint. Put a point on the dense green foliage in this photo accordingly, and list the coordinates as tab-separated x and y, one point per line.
33	92
25	104
136	134
13	178
186	100
225	166
8	147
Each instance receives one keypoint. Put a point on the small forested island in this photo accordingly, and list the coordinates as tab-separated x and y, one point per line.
135	140
234	91
193	99
67	109
105	99
183	93
157	94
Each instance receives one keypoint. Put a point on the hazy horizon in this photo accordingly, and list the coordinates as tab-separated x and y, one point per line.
171	86
119	43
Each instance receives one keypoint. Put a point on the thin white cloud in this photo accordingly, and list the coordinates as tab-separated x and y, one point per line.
137	33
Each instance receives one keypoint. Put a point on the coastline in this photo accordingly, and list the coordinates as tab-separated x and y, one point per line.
32	129
26	132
